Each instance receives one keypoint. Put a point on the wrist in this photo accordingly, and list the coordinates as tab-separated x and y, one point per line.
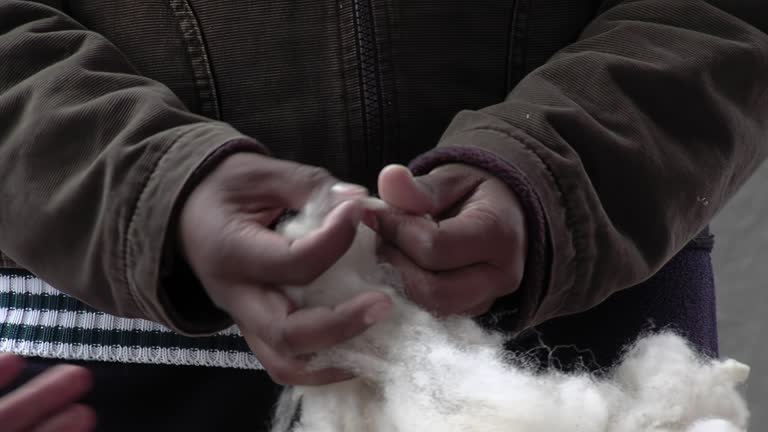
181	290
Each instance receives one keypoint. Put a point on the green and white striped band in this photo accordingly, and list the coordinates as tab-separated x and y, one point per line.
37	320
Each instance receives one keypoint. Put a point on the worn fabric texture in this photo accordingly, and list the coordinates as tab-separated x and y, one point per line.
600	115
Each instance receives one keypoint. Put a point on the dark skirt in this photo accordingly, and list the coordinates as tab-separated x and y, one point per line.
680	298
149	398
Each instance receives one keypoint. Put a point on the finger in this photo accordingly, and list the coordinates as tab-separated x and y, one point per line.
10	367
259	182
347	191
75	418
472	237
43	395
398	188
251	177
263	256
281	339
316	329
303	182
295	184
432	194
315	252
256	309
289	370
304	331
450	292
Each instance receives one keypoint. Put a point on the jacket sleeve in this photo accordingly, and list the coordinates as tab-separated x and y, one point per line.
94	160
623	146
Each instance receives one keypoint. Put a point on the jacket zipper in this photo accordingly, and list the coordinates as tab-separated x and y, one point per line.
370	86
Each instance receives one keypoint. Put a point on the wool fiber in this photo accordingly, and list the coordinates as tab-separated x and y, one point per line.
417	373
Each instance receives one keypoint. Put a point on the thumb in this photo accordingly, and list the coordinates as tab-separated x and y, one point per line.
431	194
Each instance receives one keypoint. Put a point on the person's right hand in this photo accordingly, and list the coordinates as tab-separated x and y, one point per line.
48	402
241	263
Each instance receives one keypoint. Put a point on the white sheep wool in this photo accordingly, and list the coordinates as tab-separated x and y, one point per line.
418	373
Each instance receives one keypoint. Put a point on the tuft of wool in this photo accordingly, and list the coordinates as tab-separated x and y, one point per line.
418	373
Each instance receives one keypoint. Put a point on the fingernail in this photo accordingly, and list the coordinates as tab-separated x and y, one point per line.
398	167
371	203
348	189
377	312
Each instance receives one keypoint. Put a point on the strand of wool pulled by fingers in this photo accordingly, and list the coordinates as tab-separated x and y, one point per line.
417	373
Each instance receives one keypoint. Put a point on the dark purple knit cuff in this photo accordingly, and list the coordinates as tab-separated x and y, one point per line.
516	310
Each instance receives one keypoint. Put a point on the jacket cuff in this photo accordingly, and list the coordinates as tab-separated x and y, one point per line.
529	305
161	283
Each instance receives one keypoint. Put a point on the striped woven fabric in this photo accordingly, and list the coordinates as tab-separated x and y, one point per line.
38	320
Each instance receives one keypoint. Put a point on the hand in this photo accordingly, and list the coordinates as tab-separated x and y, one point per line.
241	262
471	248
47	403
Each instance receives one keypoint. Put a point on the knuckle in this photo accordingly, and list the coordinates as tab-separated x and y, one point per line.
343	333
389	225
490	223
281	370
299	275
283	375
273	336
426	247
426	241
422	290
292	341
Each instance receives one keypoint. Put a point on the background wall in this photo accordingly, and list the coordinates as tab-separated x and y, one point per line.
741	271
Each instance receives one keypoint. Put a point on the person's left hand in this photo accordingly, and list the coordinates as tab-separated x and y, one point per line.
458	239
48	402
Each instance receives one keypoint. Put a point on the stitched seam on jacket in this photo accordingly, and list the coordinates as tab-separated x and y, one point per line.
197	53
516	52
569	219
137	205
